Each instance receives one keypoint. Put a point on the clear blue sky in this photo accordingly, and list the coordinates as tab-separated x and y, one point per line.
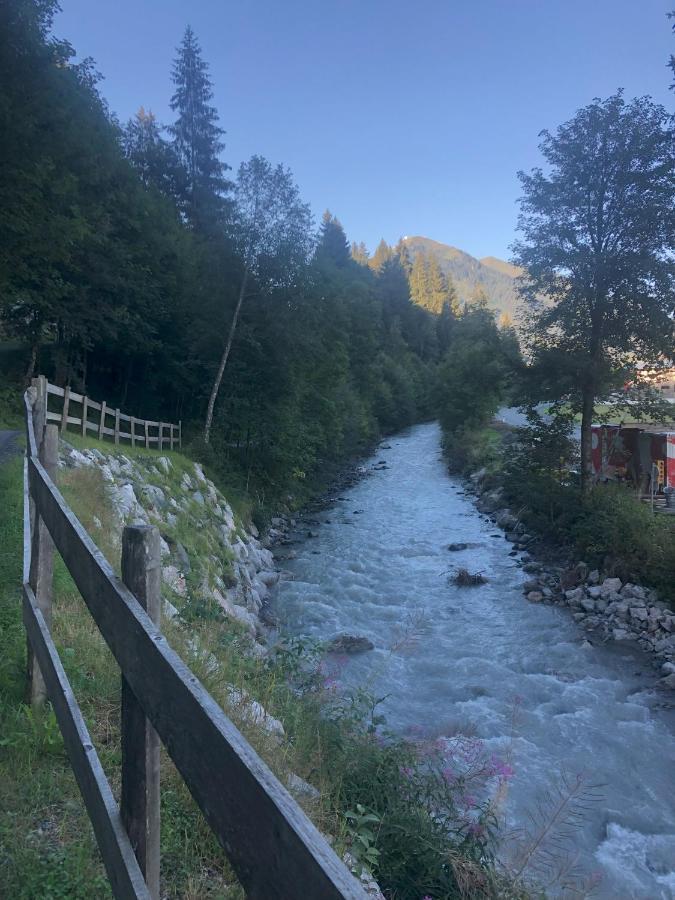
401	118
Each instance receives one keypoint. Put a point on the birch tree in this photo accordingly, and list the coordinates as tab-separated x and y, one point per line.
273	229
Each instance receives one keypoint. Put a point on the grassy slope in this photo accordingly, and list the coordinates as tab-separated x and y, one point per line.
47	848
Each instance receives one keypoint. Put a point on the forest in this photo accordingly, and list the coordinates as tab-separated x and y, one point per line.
137	266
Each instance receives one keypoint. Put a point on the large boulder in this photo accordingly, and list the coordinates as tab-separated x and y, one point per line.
506	520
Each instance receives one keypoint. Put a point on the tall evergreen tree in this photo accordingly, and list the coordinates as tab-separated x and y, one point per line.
401	250
333	246
197	137
419	279
360	253
383	253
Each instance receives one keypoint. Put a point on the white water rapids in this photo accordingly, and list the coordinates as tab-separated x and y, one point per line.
482	649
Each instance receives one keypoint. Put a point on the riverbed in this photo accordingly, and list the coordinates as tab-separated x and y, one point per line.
484	662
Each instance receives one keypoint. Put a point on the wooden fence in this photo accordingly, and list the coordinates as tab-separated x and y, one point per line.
273	847
138	432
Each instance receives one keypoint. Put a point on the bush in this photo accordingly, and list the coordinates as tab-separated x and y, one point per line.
616	530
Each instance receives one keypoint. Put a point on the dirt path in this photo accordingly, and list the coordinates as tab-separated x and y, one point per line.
8	445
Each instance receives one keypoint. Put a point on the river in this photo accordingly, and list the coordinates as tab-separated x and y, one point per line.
377	566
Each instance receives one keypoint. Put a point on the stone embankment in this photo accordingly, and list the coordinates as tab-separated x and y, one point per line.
209	556
609	609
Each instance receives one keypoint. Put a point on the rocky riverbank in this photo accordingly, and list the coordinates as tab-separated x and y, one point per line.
607	608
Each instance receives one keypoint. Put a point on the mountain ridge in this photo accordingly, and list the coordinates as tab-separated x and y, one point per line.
495	276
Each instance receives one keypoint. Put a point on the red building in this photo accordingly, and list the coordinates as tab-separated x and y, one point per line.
633	452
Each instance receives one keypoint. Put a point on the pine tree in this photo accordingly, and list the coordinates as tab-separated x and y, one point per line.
383	253
197	138
438	293
360	253
479	297
419	279
401	250
333	245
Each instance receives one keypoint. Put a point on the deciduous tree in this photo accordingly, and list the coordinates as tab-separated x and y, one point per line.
597	239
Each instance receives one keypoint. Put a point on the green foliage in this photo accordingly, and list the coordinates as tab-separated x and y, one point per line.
473	374
197	138
608	526
621	533
596	241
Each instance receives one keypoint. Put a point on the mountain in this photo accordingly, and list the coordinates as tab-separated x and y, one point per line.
495	276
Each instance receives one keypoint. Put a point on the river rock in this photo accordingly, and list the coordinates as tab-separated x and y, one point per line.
609	585
535	596
349	643
620	634
174	580
586	603
593	577
456	547
638	613
506	520
301	788
668	682
575	596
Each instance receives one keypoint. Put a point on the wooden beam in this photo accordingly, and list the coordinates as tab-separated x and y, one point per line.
85	403
141	573
118	857
271	843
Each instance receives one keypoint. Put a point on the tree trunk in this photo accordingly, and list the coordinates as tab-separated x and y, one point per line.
223	360
587	410
30	371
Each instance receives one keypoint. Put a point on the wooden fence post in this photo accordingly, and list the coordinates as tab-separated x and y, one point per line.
66	406
180	434
132	429
141	572
101	424
85	402
41	577
147	434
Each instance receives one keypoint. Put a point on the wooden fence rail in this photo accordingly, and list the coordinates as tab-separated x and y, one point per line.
272	845
138	432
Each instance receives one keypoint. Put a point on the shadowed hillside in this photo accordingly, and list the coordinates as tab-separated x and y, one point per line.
495	276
